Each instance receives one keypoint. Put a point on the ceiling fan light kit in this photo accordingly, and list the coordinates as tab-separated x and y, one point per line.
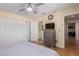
29	9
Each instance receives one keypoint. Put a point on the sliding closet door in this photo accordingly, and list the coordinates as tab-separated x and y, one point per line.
12	31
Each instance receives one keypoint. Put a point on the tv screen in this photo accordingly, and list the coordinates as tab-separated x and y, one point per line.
50	26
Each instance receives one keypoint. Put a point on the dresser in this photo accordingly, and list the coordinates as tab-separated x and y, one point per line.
50	37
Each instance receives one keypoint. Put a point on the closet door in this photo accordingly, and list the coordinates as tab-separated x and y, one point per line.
34	31
77	30
12	31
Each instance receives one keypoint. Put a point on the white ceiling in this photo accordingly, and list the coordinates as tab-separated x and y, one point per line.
47	8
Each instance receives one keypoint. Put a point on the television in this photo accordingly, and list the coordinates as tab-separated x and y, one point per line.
49	26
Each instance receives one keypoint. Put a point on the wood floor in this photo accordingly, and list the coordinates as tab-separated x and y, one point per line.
72	48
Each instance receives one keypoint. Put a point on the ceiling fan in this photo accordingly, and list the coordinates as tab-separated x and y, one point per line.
31	7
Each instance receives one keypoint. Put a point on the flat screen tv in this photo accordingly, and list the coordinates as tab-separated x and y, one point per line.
50	26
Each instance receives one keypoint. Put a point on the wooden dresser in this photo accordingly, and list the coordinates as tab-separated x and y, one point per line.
50	37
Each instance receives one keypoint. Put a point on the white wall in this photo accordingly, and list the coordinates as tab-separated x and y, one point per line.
12	31
34	31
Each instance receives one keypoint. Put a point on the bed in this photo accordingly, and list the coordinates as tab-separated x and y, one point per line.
27	49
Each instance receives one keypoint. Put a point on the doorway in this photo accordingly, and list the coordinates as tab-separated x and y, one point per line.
71	31
71	38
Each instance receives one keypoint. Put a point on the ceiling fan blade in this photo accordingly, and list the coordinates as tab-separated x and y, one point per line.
21	9
35	12
29	4
38	4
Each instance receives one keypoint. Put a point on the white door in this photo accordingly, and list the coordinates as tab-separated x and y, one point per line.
34	31
28	29
77	30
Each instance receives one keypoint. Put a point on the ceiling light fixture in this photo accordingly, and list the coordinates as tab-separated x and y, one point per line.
29	9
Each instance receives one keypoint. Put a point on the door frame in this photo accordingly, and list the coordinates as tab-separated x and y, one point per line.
65	24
